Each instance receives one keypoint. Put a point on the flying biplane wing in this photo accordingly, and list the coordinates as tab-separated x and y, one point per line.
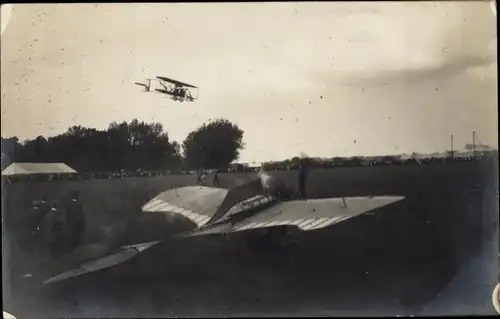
175	82
164	91
188	97
307	215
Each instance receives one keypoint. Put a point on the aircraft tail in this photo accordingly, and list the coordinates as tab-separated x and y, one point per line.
147	86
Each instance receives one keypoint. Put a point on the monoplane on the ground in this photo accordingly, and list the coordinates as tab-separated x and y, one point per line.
178	91
217	211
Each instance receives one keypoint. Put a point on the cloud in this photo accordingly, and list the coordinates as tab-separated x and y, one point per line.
412	76
301	64
465	39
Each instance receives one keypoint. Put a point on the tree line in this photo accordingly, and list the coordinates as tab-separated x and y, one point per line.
140	145
130	146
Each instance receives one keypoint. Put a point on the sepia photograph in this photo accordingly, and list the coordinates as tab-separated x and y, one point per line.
249	159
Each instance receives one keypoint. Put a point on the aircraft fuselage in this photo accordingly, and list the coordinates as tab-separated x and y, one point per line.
247	208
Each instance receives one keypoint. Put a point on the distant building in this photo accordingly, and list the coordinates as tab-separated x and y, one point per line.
469	150
37	168
253	165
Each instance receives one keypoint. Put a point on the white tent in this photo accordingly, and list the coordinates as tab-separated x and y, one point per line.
37	168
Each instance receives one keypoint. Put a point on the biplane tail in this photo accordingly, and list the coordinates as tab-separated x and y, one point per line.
147	86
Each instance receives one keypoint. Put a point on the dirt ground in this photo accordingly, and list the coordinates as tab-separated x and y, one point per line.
387	263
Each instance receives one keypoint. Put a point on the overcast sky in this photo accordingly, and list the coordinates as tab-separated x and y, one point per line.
326	79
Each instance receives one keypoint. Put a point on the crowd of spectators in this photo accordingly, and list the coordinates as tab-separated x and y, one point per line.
92	175
274	166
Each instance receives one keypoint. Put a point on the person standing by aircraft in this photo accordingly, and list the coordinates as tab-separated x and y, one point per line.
75	221
303	170
35	224
55	223
215	181
41	208
200	178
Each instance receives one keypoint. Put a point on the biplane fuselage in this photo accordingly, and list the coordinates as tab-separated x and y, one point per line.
178	91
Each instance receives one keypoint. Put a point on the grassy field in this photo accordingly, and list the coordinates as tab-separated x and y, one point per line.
403	254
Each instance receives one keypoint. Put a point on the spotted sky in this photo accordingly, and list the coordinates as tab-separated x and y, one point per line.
322	78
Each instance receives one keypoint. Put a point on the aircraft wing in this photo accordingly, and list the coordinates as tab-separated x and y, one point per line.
175	82
164	91
110	260
307	215
196	203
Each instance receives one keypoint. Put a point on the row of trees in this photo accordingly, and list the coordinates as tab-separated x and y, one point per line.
130	146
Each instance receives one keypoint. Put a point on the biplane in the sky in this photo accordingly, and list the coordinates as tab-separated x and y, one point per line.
222	212
178	91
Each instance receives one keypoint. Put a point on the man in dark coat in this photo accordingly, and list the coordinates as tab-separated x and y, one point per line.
55	225
36	223
40	209
215	181
200	177
303	170
75	221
